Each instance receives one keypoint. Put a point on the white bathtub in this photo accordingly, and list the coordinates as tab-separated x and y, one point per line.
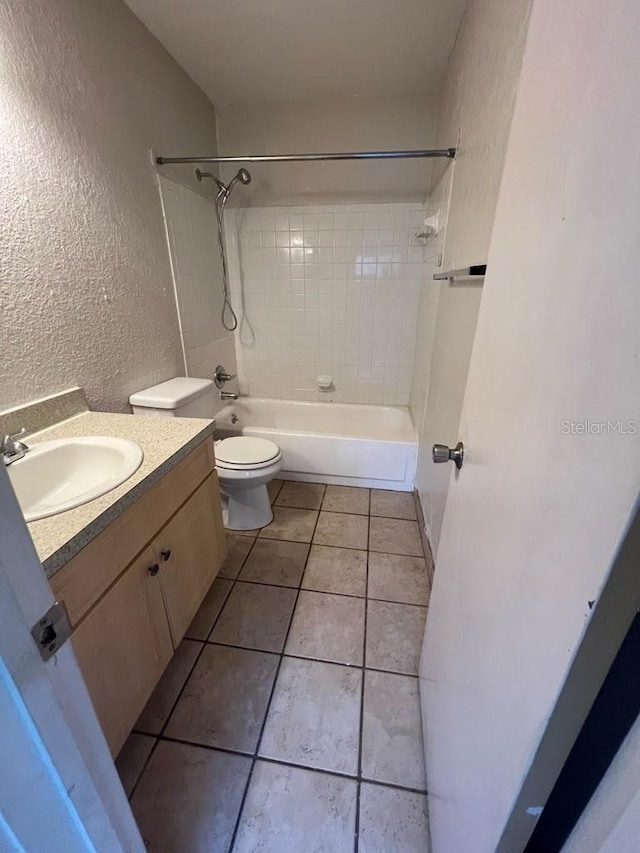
340	443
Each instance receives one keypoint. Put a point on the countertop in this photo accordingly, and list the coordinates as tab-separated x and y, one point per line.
164	441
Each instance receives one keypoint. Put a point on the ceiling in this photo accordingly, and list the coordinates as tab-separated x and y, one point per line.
262	51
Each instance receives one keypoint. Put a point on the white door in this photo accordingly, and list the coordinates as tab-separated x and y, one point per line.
550	423
59	789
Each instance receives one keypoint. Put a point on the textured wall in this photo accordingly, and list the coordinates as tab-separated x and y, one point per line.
476	106
86	291
352	124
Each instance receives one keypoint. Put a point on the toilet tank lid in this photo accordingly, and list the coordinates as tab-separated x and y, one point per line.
171	394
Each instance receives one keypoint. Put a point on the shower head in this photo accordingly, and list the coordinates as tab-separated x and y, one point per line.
242	175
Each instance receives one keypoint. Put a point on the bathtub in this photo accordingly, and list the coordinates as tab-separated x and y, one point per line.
339	443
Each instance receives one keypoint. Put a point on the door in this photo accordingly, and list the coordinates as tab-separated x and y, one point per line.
190	551
550	422
55	763
123	647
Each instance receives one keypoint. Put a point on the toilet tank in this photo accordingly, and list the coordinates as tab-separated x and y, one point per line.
182	397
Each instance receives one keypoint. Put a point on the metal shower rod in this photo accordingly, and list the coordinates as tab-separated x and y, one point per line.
450	153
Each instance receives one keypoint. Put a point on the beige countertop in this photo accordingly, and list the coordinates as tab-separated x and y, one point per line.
164	441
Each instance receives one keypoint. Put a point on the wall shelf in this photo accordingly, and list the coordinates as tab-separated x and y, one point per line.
475	271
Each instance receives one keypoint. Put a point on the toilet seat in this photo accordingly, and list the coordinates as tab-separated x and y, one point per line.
245	453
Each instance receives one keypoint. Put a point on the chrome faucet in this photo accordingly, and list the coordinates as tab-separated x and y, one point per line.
11	449
228	395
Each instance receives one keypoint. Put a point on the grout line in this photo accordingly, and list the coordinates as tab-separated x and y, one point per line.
361	726
282	763
145	764
322	592
299	657
346	547
268	707
222	606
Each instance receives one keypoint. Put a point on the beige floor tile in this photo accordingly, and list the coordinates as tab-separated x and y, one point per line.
392	731
256	617
314	716
346	499
238	546
393	504
203	621
188	799
328	627
132	758
273	487
302	495
342	570
295	525
341	530
157	710
225	699
394	636
396	578
291	809
392	820
273	561
395	536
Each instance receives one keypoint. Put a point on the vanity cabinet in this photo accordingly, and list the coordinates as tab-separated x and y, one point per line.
123	647
132	592
188	551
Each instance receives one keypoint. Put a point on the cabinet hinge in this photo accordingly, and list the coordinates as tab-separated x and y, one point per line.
52	630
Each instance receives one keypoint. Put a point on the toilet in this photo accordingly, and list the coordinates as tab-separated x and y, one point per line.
244	464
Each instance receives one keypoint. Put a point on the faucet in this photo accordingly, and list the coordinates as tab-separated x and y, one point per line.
11	449
228	395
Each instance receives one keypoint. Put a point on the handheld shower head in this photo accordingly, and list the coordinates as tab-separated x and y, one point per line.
241	175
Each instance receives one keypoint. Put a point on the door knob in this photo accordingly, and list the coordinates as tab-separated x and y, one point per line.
442	453
154	569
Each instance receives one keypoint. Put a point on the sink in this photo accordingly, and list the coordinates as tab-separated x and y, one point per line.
58	475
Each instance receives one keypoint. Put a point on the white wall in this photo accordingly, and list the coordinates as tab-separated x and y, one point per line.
327	290
611	821
535	518
476	105
87	296
352	124
197	273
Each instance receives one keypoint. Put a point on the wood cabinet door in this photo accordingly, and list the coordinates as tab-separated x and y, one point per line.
123	647
190	551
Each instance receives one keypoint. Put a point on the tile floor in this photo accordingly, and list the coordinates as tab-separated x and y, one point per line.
289	718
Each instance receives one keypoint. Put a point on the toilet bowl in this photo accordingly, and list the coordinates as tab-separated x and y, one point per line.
244	464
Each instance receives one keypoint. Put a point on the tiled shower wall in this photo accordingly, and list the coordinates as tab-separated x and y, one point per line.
327	290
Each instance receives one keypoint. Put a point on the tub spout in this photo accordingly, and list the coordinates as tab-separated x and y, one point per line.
228	395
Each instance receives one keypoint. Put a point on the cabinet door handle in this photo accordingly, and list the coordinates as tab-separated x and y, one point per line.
154	569
165	554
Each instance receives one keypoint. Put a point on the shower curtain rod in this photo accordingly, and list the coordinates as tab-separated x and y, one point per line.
450	153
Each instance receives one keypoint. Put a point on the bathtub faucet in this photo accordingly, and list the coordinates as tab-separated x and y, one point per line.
228	395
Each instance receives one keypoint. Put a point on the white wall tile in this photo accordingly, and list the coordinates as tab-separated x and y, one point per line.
327	290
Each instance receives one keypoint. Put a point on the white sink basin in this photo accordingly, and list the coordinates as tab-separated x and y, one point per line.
58	475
